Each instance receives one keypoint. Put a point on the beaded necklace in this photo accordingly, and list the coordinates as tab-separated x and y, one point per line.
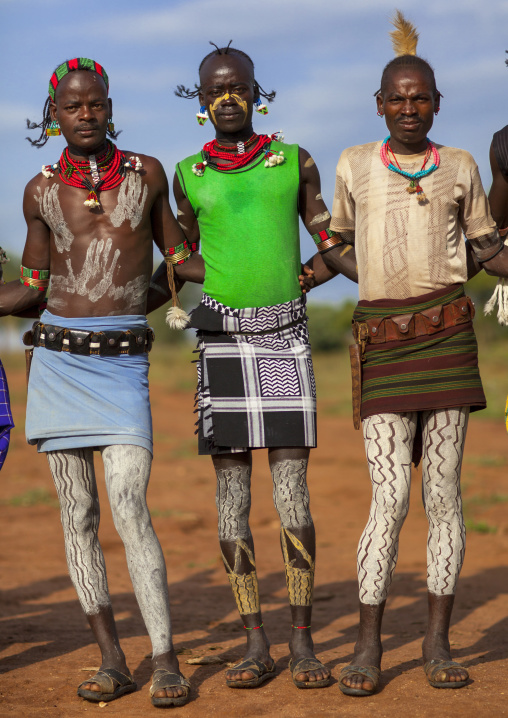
74	172
414	184
212	152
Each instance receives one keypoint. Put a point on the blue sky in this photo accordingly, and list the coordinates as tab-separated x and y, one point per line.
323	57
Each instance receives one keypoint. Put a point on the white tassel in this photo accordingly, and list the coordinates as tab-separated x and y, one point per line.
500	297
177	318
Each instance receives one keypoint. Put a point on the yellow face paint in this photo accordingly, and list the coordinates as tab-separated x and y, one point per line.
216	103
241	103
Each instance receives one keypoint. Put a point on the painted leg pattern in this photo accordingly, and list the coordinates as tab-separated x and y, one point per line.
388	445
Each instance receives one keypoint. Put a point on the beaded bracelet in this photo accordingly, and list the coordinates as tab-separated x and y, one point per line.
178	254
326	239
36	278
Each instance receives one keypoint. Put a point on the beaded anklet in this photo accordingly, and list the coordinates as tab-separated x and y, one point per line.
253	628
300	627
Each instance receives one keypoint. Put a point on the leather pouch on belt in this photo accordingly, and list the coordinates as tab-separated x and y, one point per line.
462	310
53	337
137	340
79	342
113	341
400	327
431	320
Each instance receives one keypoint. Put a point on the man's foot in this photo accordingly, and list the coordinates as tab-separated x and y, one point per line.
262	665
107	685
164	682
167	681
445	674
361	676
307	670
439	668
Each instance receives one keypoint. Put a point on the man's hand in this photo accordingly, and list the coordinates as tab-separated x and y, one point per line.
307	279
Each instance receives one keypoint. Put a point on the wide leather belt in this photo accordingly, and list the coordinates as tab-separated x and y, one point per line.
86	343
400	327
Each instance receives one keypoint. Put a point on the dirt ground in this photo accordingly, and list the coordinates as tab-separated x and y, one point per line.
47	649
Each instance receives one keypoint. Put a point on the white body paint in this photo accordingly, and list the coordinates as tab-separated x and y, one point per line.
309	162
319	196
126	470
51	212
131	201
320	218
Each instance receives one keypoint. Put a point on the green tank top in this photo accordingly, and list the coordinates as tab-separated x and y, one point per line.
249	229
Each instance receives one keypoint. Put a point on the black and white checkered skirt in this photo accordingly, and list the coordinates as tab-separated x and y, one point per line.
254	390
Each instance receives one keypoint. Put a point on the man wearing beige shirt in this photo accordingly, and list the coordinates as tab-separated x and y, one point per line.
403	204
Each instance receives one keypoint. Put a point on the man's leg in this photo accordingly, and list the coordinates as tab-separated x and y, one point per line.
444	435
127	471
74	477
298	541
233	506
389	445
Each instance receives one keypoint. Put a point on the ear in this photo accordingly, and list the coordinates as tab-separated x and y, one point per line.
437	102
52	111
201	99
379	103
256	91
110	104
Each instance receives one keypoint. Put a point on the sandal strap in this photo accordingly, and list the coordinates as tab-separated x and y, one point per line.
107	677
167	679
304	665
370	672
432	668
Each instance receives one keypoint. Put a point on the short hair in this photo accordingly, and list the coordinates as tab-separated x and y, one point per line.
413	62
188	94
81	63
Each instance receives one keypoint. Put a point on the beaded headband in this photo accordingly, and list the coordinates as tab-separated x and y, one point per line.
78	63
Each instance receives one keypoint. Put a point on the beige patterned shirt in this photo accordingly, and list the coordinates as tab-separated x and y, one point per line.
404	248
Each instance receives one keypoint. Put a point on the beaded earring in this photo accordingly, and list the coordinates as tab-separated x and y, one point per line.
436	112
53	130
379	114
260	107
202	115
111	125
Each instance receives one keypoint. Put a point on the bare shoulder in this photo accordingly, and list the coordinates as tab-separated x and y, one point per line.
34	191
152	172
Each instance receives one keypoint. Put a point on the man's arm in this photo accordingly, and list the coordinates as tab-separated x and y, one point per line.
193	270
498	195
15	297
330	260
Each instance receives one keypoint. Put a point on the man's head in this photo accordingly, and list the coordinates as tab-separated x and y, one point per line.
78	99
228	91
228	88
408	96
408	99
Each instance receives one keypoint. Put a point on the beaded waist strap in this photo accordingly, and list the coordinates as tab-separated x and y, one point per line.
102	343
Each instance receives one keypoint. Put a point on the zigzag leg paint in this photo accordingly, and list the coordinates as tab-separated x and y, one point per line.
444	435
127	471
233	507
74	477
388	445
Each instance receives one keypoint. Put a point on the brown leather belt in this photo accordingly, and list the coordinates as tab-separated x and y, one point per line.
400	327
380	330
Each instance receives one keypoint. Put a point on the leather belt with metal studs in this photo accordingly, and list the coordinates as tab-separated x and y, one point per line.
102	343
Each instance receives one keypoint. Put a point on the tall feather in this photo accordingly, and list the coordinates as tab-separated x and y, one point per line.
404	37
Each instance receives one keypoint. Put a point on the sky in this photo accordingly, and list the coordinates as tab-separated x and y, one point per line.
324	58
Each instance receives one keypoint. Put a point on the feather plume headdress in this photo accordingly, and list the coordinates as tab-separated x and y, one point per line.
404	37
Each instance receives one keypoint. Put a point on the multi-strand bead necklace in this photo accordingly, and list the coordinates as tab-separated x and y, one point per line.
74	172
239	155
415	177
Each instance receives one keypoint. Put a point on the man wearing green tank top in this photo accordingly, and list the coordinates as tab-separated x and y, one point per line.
242	197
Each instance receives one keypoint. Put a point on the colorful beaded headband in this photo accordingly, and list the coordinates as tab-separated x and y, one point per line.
78	63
